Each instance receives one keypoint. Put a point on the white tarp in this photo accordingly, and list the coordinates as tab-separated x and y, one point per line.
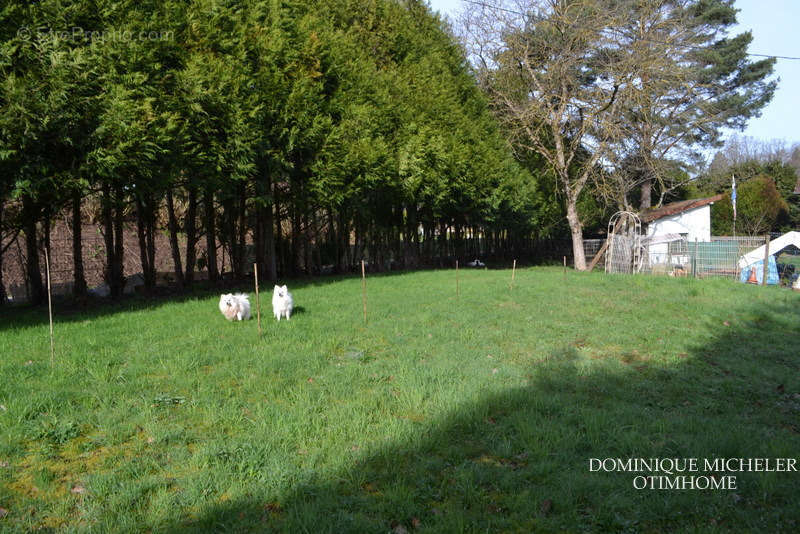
775	246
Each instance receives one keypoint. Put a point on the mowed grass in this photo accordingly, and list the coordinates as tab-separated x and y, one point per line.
440	414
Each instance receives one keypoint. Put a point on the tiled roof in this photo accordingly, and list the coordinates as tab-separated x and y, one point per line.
677	207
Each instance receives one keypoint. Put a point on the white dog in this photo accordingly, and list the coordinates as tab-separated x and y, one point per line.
235	306
282	302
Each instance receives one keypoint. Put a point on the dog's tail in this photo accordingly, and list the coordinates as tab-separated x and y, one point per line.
244	296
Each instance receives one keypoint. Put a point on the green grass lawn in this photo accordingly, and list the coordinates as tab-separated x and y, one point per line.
476	414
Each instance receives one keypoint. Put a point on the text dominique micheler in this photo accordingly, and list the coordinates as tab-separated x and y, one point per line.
690	473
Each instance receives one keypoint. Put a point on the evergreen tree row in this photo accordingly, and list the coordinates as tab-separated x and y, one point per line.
300	133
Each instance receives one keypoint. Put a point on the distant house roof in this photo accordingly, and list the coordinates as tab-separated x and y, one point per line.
677	207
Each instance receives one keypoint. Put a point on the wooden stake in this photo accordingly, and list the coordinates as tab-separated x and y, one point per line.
766	263
50	307
565	266
458	293
258	302
513	272
364	290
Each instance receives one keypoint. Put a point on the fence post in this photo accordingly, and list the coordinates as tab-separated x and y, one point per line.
458	292
364	290
766	262
258	302
669	261
50	307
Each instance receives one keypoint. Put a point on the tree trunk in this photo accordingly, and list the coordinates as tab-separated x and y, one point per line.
2	287
30	214
646	199
211	236
172	226
295	246
191	237
153	207
576	231
46	231
306	243
258	236
442	243
79	277
140	232
108	233
333	238
348	253
278	232
241	249
269	236
118	271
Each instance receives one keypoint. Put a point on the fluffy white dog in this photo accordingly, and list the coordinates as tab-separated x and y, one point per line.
235	306
282	302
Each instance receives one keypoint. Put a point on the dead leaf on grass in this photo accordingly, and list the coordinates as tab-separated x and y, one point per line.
3	512
77	488
546	506
274	507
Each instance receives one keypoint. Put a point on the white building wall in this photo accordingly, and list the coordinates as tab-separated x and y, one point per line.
696	224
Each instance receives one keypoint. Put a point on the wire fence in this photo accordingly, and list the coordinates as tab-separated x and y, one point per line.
675	255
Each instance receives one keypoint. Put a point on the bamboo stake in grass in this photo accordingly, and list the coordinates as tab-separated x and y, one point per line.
364	290
258	302
513	272
766	261
50	307
458	293
565	266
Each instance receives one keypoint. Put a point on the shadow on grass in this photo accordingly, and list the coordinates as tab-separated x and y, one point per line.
518	461
299	310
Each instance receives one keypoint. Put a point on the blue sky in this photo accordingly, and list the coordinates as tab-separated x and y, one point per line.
776	31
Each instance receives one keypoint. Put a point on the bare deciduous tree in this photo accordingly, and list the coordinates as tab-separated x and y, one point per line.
557	78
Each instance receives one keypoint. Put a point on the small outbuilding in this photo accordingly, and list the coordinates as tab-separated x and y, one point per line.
691	219
686	221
